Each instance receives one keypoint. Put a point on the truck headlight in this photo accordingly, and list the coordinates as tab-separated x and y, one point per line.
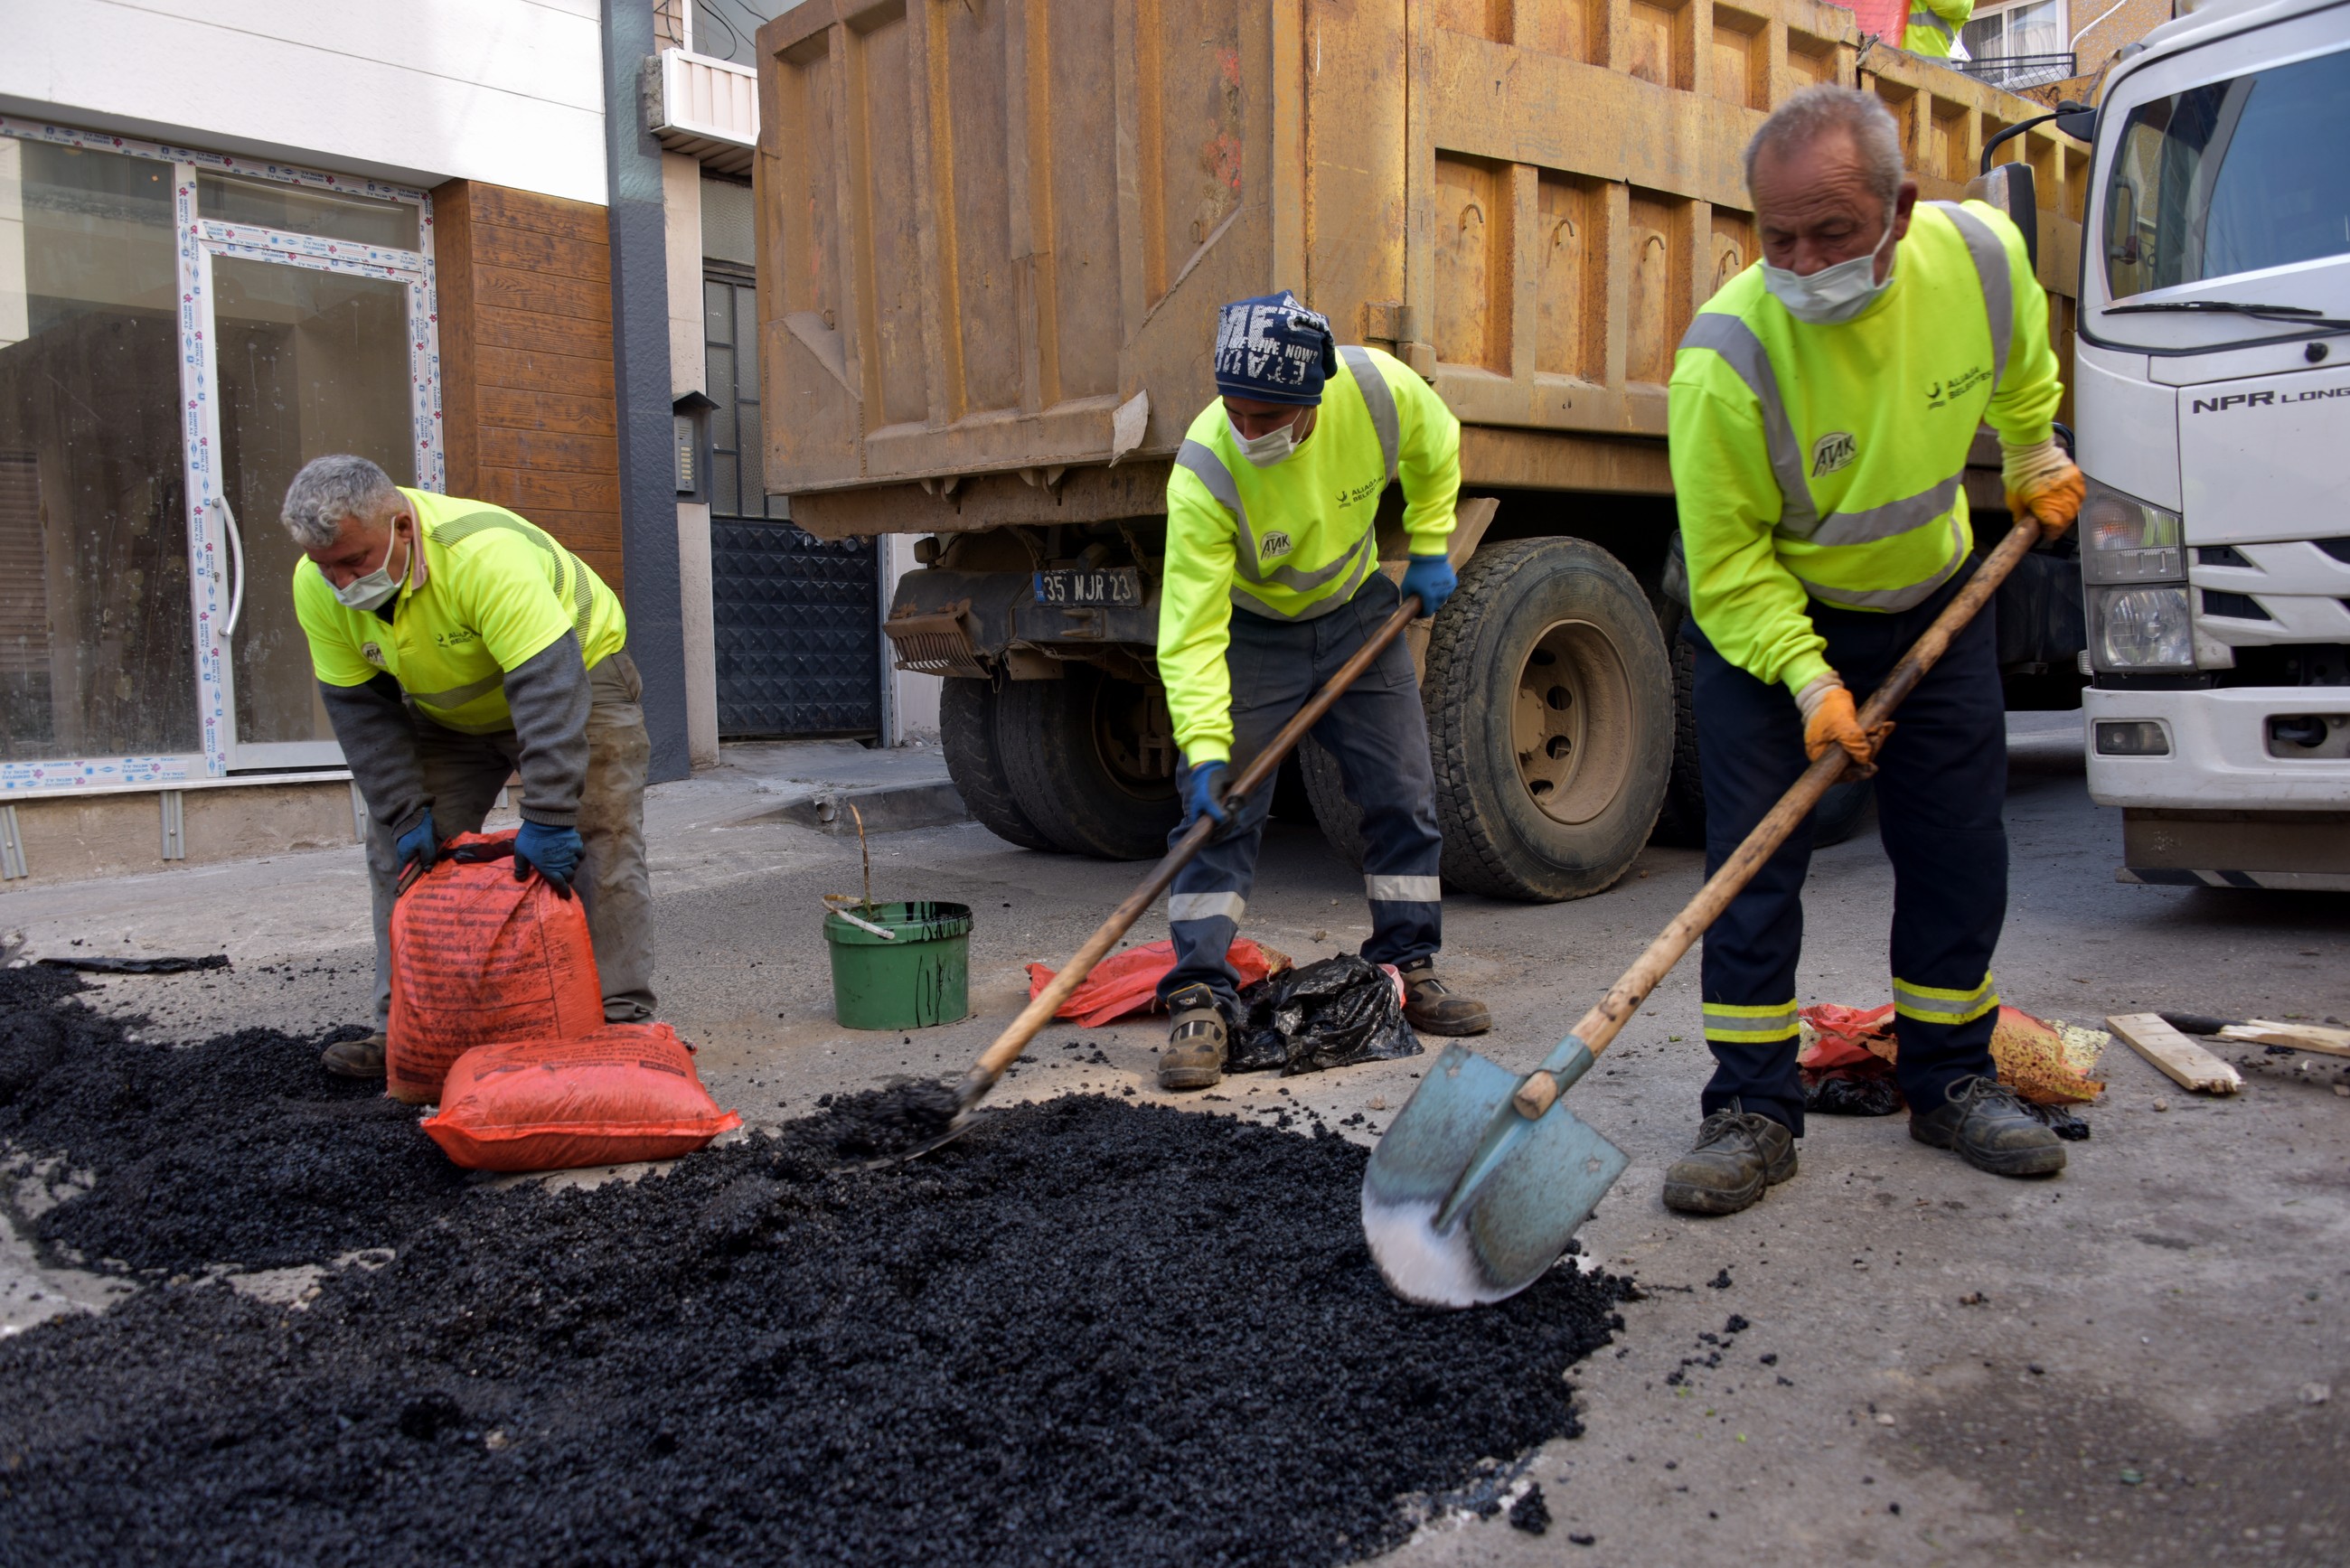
2125	540
2143	628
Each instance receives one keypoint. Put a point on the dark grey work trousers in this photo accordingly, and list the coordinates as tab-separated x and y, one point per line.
463	773
1380	737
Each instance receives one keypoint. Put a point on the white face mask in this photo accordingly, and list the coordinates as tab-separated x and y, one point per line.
1833	294
374	590
1265	451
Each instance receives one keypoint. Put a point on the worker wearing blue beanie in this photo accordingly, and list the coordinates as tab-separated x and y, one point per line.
1271	585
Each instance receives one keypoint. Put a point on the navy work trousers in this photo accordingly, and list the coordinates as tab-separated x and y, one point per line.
1380	737
1941	781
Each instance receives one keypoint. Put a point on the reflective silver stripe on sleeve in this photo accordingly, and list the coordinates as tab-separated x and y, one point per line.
1999	289
1743	352
1379	397
1894	518
1404	889
1205	906
1928	19
1890	599
1202	464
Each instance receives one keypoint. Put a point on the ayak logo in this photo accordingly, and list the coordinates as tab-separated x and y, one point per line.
1833	451
1275	544
372	654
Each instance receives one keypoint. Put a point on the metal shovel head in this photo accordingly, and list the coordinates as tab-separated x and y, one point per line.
1524	1188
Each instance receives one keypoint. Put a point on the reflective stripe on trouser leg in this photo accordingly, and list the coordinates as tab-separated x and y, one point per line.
1754	739
1377	734
1941	789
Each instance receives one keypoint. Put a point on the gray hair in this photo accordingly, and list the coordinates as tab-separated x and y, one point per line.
329	490
1825	107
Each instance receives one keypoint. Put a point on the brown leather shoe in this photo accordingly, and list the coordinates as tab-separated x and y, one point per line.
1432	1009
1194	1057
362	1058
1738	1156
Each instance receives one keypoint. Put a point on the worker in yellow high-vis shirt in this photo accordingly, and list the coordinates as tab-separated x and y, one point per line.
1272	583
457	644
1934	26
1822	407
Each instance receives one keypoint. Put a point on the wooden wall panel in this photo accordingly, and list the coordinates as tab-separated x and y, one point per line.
527	408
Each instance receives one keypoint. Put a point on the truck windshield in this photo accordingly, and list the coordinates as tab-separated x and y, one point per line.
2232	177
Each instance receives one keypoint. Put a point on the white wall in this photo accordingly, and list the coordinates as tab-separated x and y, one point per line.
507	91
913	698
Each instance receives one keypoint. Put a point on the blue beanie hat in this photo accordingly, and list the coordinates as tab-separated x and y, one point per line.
1273	350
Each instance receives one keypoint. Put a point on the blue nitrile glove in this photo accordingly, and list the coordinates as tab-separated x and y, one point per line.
417	844
1432	579
552	852
1208	793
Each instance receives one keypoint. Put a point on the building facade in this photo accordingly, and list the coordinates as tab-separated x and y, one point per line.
453	235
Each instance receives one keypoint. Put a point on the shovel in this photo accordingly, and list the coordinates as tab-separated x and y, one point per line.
1258	774
1483	1177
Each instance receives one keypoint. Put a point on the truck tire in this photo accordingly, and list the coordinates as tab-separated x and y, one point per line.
1070	750
967	732
1340	819
1550	704
1681	823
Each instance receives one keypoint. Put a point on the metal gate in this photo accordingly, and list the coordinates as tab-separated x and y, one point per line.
796	618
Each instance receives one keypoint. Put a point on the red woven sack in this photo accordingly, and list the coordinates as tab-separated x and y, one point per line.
478	957
626	1092
1129	981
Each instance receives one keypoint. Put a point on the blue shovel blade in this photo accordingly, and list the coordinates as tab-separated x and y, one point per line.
1465	1200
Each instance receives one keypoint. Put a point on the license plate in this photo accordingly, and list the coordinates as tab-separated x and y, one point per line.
1094	586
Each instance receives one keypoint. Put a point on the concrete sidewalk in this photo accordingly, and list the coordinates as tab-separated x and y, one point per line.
746	818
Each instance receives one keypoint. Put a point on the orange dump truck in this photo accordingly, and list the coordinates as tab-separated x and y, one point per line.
994	235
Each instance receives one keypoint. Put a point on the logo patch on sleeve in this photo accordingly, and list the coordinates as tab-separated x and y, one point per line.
1275	544
372	654
1833	451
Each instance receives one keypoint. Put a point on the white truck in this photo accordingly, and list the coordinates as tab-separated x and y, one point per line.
2211	387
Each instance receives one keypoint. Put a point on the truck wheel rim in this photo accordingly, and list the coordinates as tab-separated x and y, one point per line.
1571	722
1124	734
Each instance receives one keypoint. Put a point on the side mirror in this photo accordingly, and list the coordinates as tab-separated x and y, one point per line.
2010	188
2077	120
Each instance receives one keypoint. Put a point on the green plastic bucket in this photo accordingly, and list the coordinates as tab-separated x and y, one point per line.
920	977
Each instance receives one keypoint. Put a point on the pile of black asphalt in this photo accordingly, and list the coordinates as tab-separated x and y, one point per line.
1089	1330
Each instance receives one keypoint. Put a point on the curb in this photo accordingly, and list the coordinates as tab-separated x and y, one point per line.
887	808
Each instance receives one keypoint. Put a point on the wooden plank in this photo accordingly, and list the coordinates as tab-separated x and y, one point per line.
540	293
498	327
2300	1036
542	450
519	409
526	489
2180	1059
507	209
532	371
527	250
581	533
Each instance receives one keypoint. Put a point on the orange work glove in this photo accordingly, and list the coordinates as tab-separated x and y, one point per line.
1830	720
2042	481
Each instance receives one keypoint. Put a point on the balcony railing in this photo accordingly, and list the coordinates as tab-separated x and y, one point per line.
2012	73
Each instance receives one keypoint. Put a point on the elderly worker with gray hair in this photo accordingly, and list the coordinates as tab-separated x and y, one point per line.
455	644
1822	407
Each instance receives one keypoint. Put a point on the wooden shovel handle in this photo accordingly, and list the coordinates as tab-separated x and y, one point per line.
1615	1009
1257	774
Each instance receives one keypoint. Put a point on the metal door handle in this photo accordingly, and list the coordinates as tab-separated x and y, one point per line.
237	549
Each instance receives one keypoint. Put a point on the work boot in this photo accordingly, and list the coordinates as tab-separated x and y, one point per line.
361	1058
1431	1008
1194	1057
1737	1155
1990	1128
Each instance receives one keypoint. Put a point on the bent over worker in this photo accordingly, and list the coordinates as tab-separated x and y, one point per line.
1272	583
1822	407
456	644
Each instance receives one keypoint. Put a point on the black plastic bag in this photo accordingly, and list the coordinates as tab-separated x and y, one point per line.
1842	1092
1333	1013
